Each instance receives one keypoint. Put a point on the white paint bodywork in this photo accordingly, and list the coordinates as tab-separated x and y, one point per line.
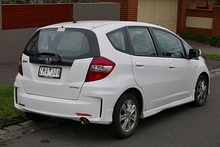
160	86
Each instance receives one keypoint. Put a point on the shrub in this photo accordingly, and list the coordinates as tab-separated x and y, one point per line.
215	41
212	40
202	38
188	35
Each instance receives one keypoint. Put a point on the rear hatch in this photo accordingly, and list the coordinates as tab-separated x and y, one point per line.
56	60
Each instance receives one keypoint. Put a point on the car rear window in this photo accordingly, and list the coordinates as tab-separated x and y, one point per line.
66	43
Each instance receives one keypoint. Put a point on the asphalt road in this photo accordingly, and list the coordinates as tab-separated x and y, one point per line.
184	126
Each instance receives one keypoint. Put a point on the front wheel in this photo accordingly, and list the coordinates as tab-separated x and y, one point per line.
125	116
201	91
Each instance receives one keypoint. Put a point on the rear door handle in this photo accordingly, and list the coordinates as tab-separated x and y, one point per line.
139	64
171	66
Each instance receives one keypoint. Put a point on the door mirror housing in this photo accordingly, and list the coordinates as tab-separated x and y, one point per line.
194	53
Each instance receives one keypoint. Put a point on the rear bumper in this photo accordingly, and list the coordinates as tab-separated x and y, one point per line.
95	102
86	107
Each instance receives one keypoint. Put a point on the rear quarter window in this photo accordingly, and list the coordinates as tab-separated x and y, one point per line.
118	40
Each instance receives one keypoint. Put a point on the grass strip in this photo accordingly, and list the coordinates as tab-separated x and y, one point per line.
212	56
7	109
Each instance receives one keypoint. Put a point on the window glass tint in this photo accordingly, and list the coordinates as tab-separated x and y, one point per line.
170	45
70	43
117	39
141	42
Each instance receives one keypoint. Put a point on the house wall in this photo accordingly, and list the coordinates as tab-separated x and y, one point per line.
202	4
159	12
128	9
203	21
200	18
186	12
199	22
216	22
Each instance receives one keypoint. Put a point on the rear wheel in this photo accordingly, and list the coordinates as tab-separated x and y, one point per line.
201	91
36	117
125	116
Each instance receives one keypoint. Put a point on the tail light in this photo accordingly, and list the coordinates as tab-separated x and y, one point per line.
20	66
99	68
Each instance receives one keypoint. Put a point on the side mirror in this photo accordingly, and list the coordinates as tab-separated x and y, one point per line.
194	53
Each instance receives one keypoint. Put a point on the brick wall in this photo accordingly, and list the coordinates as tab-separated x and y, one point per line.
200	12
215	14
186	9
132	10
195	3
128	9
206	13
216	23
181	19
32	16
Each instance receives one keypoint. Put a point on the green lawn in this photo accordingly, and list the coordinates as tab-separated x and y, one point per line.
212	56
7	109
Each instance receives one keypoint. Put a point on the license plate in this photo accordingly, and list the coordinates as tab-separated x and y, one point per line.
49	72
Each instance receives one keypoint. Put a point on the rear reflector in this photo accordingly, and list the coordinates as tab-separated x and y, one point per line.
99	68
83	114
23	105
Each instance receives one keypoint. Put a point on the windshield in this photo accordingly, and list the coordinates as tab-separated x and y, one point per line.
65	43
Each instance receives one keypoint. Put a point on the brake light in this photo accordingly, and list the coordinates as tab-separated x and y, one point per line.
99	68
20	66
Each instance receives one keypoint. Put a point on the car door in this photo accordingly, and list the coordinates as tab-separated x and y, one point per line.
180	70
149	70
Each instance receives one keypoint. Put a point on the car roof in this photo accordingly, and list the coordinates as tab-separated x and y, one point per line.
99	24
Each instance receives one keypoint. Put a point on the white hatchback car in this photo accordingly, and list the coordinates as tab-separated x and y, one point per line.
108	72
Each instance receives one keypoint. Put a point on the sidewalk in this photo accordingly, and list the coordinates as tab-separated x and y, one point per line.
206	49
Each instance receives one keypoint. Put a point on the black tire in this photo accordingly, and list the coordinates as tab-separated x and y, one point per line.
201	91
125	116
36	117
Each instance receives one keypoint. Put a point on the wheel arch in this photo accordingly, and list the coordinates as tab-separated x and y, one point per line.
138	95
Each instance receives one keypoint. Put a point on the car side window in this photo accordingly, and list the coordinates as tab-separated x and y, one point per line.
169	45
141	42
187	47
117	39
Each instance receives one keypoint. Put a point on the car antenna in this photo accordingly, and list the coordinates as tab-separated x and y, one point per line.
71	13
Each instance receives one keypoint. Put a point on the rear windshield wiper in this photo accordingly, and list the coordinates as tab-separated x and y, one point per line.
51	54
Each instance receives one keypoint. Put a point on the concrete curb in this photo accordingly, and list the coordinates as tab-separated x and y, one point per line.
12	121
214	73
27	127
